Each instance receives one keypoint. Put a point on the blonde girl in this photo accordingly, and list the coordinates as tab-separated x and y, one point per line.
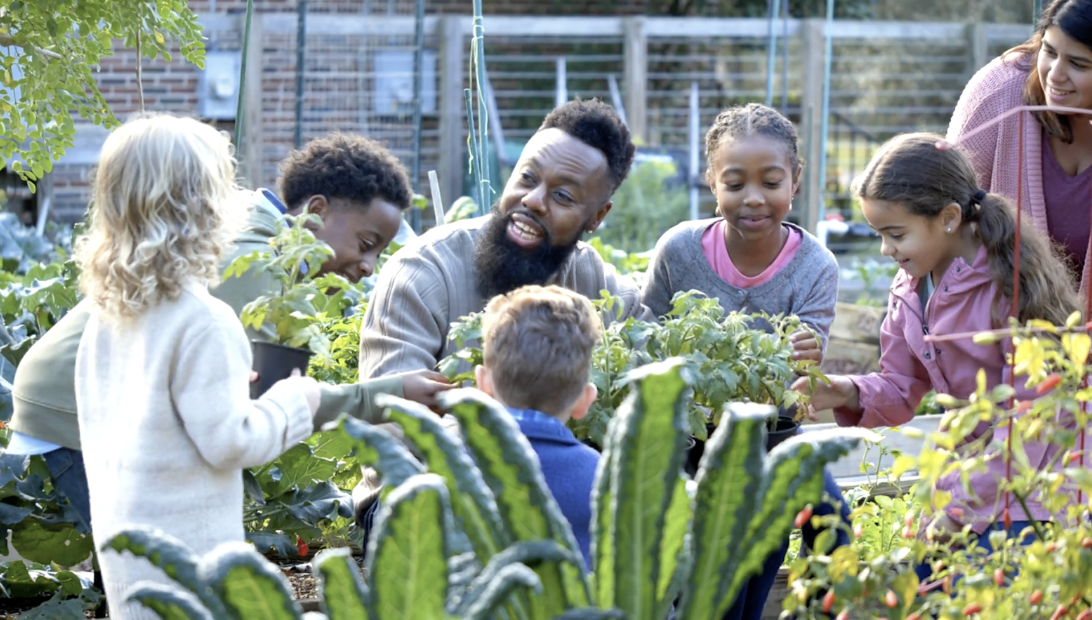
162	370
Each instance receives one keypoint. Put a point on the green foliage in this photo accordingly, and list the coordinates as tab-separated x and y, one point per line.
643	514
1054	559
48	54
870	272
728	358
303	299
645	206
464	208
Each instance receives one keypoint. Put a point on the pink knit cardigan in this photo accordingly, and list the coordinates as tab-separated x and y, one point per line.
995	152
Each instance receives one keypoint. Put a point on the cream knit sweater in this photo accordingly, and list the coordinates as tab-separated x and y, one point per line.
167	426
995	153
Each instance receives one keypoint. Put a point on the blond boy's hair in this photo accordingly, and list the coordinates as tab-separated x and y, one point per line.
537	344
165	208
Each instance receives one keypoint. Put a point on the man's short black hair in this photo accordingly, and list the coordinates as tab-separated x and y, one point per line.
346	166
598	125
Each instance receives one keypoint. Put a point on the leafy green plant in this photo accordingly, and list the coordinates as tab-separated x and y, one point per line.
48	54
1043	571
475	532
645	206
870	272
728	358
296	308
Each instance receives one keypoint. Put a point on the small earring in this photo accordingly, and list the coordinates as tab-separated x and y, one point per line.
948	230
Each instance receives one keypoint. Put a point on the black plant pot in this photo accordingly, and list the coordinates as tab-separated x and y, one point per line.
784	427
274	362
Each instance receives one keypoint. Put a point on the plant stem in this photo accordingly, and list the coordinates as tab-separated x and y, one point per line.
1039	531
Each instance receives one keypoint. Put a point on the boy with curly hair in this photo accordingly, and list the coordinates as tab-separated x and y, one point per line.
537	345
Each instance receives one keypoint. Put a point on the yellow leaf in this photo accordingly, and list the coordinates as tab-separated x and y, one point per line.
1043	325
159	37
903	464
1077	346
1074	319
941	499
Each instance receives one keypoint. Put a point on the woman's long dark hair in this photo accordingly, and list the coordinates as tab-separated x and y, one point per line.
910	170
1074	18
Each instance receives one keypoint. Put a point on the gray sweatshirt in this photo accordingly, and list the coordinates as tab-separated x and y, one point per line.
807	287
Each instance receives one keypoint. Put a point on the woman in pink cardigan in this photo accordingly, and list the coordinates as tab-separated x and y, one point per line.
1053	68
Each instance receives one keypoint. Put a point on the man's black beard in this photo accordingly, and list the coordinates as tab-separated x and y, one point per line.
501	266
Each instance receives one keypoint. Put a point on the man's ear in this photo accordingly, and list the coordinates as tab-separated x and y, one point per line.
587	397
317	205
484	379
600	215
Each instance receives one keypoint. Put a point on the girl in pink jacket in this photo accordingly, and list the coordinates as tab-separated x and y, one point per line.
955	246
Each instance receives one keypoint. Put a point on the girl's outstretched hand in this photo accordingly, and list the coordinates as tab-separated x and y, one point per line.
841	392
423	385
805	346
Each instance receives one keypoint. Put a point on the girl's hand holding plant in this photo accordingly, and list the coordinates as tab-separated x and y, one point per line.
840	392
805	346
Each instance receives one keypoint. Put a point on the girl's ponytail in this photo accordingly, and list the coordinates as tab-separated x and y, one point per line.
1046	286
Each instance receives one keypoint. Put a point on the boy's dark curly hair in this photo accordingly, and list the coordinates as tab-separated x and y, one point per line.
346	166
596	124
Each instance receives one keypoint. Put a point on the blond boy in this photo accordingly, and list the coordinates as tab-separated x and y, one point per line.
537	343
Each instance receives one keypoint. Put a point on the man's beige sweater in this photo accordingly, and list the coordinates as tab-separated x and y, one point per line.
167	426
429	284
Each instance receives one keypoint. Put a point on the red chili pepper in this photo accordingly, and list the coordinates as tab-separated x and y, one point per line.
802	517
1051	547
907	533
301	546
1049	383
1085	615
908	519
842	615
971	609
914	616
955	512
1036	596
1087	543
1022	406
828	601
858	531
1007	519
999	577
1058	613
1072	458
890	599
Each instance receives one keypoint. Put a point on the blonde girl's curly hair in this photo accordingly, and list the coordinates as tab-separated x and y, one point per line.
165	208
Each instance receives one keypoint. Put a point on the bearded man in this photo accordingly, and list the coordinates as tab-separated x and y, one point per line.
559	191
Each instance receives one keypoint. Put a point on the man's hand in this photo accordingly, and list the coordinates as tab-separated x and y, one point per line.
841	392
805	346
422	386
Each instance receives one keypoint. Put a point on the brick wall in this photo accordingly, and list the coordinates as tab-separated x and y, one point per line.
339	91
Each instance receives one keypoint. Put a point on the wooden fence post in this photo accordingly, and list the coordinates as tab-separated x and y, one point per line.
978	47
635	76
452	108
811	121
251	148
